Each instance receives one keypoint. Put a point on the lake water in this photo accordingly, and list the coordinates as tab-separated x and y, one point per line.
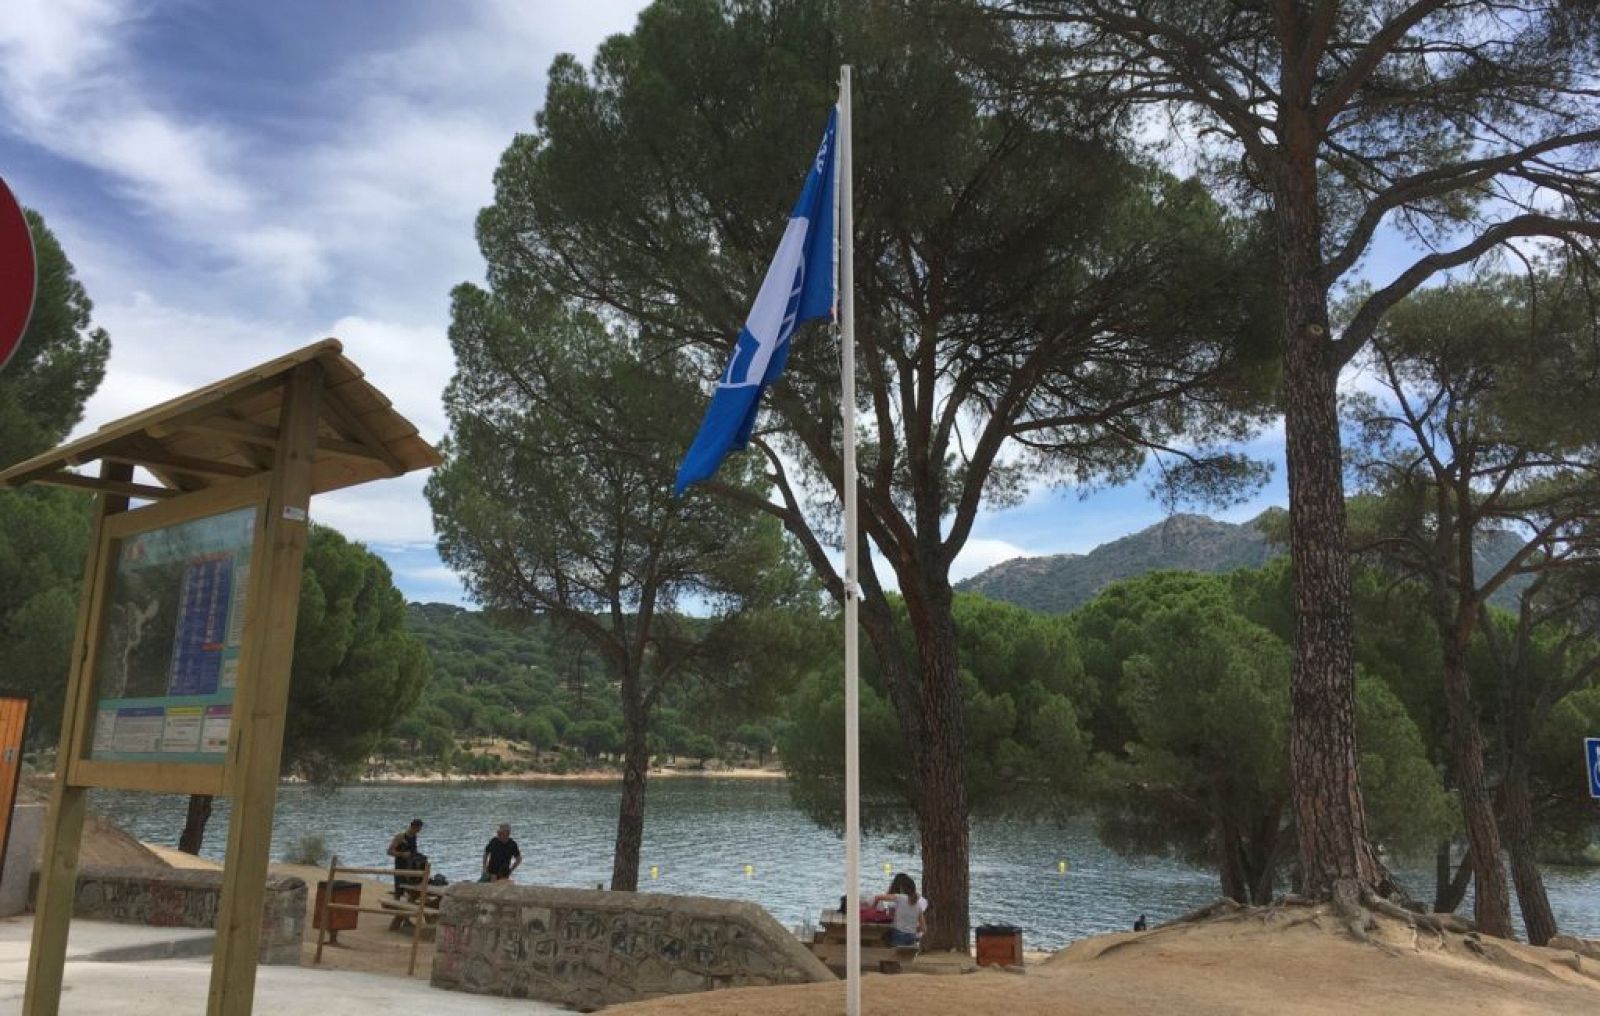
700	833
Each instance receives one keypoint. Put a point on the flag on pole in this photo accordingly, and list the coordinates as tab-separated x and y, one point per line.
798	288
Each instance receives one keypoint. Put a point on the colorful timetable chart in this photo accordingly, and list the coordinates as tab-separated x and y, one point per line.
168	658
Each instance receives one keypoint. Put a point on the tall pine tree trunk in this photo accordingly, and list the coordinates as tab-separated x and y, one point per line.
1518	816
635	766
1230	867
942	816
194	824
1329	813
1491	895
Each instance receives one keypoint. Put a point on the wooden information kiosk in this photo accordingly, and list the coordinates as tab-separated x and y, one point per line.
180	667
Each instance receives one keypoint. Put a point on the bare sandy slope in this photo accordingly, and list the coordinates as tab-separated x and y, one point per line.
103	842
1258	963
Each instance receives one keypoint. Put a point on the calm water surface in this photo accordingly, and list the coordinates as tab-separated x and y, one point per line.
700	833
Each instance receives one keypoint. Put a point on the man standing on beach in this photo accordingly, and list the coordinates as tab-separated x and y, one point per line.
403	848
502	856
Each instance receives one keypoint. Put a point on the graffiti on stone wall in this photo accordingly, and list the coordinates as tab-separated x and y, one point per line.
605	953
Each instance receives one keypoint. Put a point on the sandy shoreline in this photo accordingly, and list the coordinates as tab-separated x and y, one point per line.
1276	961
588	776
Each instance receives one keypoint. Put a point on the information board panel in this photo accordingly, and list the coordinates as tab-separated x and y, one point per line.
169	653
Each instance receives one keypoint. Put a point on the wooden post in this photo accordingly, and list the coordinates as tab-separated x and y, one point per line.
323	906
420	919
58	872
263	694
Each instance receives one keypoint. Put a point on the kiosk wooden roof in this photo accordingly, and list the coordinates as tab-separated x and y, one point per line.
228	430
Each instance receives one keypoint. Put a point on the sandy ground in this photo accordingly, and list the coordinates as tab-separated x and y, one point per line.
371	947
1288	960
1264	963
588	776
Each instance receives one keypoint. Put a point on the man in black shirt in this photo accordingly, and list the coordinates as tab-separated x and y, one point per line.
502	856
403	848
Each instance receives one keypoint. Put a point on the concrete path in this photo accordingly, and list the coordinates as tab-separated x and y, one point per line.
145	983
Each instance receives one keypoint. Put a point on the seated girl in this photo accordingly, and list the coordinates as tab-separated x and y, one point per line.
909	909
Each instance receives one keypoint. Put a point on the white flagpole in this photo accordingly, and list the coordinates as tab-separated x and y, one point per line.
852	588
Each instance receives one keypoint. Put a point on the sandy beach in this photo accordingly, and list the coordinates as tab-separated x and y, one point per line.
1271	962
1265	962
587	776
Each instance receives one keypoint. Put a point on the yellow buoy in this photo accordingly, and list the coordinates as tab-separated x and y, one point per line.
1061	866
655	871
749	871
886	867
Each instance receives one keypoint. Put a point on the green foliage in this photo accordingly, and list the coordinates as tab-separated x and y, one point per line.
1408	809
1110	630
58	364
60	361
310	849
356	669
1204	777
43	537
1189	679
1565	811
1020	674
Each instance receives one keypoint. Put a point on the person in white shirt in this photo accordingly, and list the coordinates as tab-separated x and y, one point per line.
909	909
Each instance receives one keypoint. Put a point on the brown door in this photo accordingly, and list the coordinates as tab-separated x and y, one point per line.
13	727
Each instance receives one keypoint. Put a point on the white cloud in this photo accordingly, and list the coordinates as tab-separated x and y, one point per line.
355	224
410	363
381	513
437	574
71	86
980	553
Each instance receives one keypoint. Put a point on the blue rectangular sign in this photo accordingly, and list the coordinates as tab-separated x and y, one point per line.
1591	753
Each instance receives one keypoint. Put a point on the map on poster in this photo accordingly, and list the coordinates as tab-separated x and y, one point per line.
169	654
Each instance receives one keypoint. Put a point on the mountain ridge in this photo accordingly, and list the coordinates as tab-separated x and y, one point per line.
1060	583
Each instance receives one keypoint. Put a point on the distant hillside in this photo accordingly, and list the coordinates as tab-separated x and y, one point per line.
1060	583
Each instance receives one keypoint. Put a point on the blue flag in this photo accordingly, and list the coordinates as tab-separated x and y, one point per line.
798	288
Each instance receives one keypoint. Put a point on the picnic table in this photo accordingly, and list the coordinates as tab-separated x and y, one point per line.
404	907
830	944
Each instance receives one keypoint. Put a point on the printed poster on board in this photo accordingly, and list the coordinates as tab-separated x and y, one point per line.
169	654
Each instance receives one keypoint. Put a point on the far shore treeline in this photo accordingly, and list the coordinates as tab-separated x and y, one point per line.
1379	232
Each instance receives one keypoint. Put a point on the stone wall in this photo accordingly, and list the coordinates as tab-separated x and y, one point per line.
176	898
27	829
589	948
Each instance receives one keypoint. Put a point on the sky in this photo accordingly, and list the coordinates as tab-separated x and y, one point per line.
236	180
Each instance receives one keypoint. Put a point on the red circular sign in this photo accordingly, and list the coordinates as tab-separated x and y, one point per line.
17	274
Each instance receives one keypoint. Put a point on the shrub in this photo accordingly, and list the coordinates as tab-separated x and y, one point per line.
311	849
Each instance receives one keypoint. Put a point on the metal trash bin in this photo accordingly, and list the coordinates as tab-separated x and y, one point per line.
343	892
999	945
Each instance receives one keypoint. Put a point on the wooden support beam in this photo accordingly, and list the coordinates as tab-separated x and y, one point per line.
353	426
149	453
102	485
265	436
58	870
262	698
215	407
230	427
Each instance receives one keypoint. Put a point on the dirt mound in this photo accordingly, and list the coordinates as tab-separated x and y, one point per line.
104	842
1273	960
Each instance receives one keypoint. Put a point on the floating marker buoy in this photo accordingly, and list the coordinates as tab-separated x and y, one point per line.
886	867
749	871
1061	866
655	871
